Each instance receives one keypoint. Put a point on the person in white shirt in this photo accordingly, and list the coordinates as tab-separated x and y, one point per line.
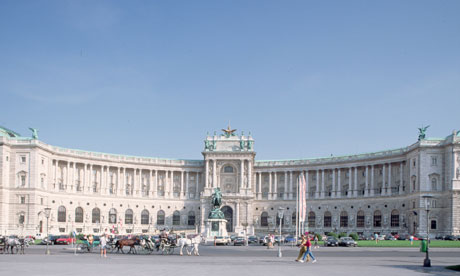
103	245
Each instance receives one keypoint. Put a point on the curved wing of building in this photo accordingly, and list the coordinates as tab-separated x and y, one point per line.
88	192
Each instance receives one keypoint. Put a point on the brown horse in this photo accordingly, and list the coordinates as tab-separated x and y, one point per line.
127	242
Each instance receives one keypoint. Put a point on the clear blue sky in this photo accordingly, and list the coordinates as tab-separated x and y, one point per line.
307	78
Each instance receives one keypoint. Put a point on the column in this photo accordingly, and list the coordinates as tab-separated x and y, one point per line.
55	175
197	187
323	190
286	192
187	179
67	175
290	185
372	181
182	190
366	188
74	181
401	178
350	183
237	214
333	184
249	176
389	179
339	185
171	184
90	186
155	184
241	176
384	186
270	185
206	174
275	185
355	190
307	184
259	196
117	190
107	181
318	192
214	174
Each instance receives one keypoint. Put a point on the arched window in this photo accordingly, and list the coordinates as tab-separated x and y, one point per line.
112	216
161	217
145	217
96	215
228	169
294	218
61	214
360	219
22	219
343	219
191	218
327	219
79	215
311	219
176	218
264	219
377	219
395	218
129	216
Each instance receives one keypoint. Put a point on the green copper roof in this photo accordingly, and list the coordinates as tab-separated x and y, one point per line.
8	132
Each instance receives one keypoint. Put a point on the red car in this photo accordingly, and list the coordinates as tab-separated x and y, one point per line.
65	239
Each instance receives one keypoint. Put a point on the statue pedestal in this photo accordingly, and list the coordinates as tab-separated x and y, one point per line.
215	227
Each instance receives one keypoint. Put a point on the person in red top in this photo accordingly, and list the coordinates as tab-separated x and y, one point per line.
308	252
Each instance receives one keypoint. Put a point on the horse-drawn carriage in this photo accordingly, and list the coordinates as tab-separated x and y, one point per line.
12	245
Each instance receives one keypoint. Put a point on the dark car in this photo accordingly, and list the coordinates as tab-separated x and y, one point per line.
239	241
52	239
253	240
232	238
451	238
289	239
331	241
403	237
347	241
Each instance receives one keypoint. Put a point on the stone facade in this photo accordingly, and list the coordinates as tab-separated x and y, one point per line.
380	192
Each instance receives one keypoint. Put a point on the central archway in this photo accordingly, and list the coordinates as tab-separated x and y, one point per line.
228	213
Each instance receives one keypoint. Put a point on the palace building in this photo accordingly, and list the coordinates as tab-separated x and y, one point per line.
382	192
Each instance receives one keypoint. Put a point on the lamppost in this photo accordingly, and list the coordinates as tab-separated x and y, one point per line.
280	216
427	261
47	215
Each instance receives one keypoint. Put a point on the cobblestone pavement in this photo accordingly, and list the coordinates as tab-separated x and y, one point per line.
234	261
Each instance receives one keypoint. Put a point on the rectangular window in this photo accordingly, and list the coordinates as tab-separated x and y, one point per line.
43	161
41	201
62	230
23	200
23	180
434	161
433	225
23	159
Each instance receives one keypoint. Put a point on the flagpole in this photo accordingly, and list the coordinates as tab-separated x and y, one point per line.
297	211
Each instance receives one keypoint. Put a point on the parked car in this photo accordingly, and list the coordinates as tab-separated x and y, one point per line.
232	238
222	240
451	238
64	239
253	240
45	241
239	241
403	237
331	241
289	239
390	238
347	241
53	239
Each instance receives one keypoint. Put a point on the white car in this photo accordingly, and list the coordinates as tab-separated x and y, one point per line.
222	240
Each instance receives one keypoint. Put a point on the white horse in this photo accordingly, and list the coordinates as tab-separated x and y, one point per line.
192	241
14	244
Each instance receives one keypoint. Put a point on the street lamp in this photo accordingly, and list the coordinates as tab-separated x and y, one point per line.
280	216
47	215
427	261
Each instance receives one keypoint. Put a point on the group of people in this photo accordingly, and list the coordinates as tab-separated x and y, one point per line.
305	245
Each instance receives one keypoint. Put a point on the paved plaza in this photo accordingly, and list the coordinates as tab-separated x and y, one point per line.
234	261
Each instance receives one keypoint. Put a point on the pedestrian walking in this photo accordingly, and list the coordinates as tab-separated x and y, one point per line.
376	237
308	252
303	248
316	242
103	241
411	238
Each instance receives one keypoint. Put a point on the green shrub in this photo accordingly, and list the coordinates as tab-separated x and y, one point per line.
354	236
343	234
332	234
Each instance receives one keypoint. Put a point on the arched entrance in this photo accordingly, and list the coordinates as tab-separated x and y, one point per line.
228	213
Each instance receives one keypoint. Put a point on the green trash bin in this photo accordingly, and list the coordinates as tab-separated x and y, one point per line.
423	246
